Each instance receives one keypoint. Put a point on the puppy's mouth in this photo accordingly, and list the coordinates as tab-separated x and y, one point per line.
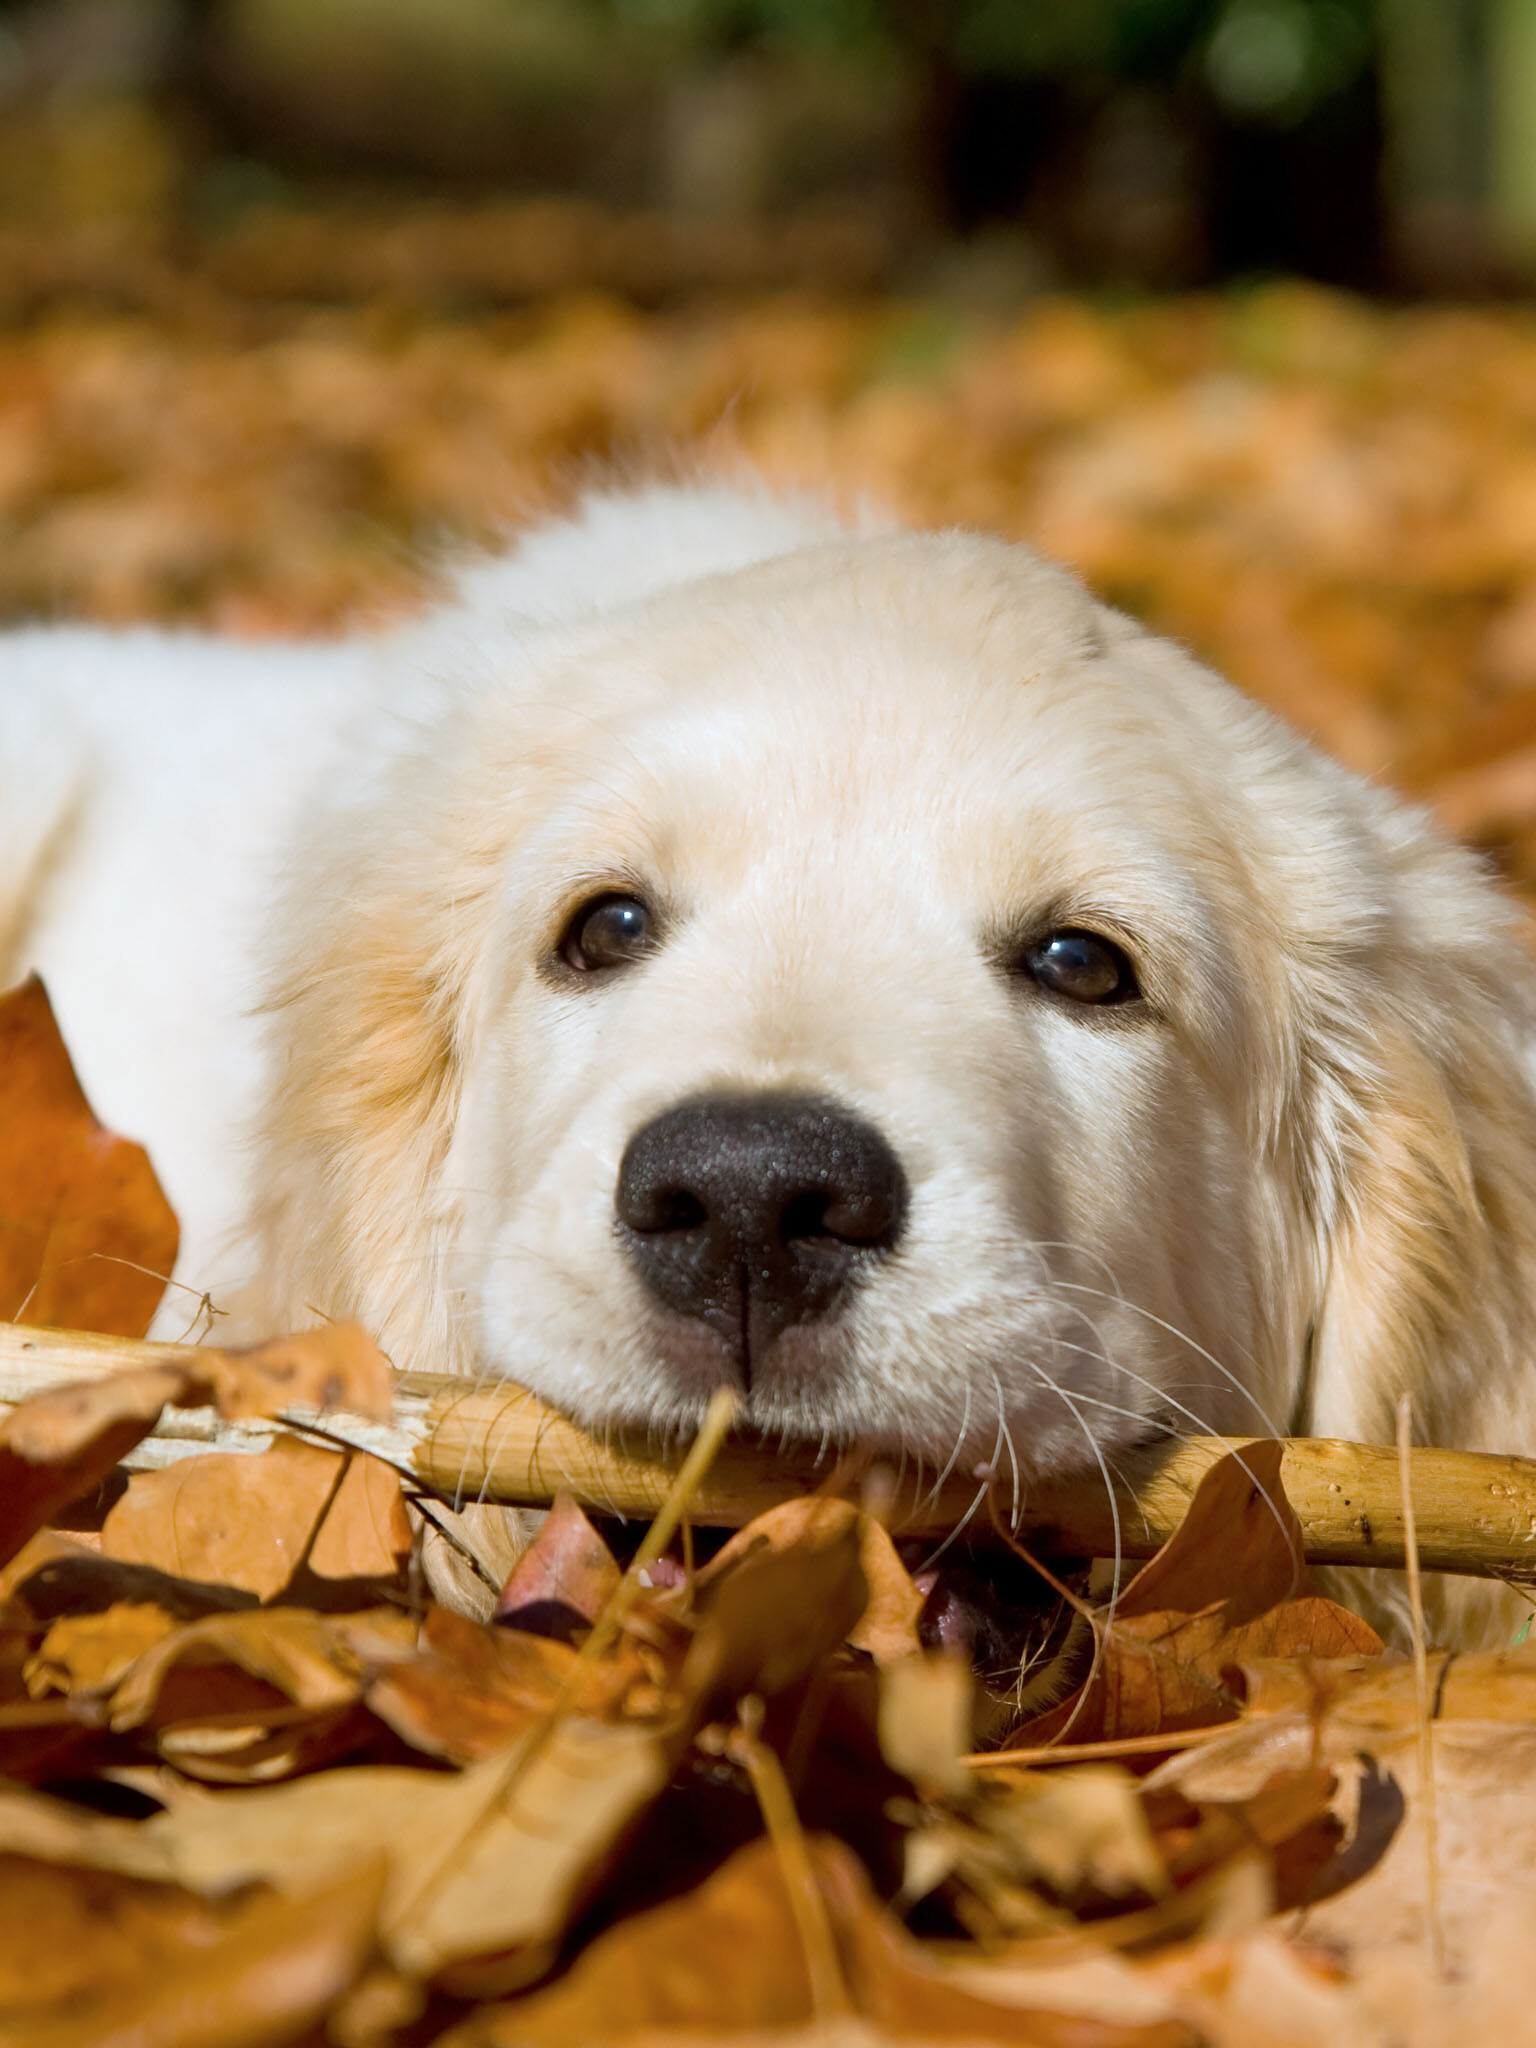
1027	1641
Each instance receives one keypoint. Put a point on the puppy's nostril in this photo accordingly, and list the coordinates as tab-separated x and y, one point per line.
871	1216
668	1209
866	1218
807	1217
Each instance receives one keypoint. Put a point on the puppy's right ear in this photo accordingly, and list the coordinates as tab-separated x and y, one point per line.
1428	1203
1419	1121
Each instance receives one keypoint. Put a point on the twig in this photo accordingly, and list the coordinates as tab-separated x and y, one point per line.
830	1998
1095	1752
1474	1512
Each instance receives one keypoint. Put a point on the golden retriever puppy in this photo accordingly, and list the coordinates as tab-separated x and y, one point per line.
715	948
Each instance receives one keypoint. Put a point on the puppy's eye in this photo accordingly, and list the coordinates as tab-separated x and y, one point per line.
1083	967
609	931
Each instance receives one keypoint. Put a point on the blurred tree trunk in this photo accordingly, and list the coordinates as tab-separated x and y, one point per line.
1434	62
1512	130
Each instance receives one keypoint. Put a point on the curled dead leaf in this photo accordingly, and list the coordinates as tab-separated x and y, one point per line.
87	1238
1229	1586
565	1577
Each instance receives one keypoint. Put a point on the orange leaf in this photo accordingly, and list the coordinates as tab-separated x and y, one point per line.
252	1521
272	1977
335	1366
306	1657
87	1238
93	1653
59	1444
471	1690
784	1592
68	1933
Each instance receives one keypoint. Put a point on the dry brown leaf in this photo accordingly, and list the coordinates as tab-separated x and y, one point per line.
1228	1586
730	1956
280	1965
87	1239
290	1836
1292	1815
887	1629
1361	1723
1376	1698
517	1846
66	1933
32	1492
304	1657
1262	1990
48	1830
43	1548
564	1579
335	1366
494	1861
924	1720
380	2007
490	1863
469	1691
252	1521
781	1595
44	1739
1078	1833
66	1423
93	1653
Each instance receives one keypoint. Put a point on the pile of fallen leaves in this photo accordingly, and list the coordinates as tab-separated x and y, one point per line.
256	1787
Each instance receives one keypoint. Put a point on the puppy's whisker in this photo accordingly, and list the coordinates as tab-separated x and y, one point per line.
1007	1437
954	1456
1102	1625
957	1532
1183	1337
1098	1353
1202	1426
988	1474
1136	1415
1111	1494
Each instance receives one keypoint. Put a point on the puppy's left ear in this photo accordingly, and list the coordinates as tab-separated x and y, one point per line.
1421	1171
378	946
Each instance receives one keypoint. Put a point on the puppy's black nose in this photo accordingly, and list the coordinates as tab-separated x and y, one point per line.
752	1212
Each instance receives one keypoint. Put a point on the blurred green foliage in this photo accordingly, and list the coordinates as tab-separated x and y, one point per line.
1264	59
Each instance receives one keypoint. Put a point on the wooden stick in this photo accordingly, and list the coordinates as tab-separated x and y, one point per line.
1476	1511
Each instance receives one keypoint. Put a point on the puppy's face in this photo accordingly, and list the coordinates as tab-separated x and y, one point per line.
888	1014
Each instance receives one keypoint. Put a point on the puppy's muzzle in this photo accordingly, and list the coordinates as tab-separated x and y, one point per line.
750	1213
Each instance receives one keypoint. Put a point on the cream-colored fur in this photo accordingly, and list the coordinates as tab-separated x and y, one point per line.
312	894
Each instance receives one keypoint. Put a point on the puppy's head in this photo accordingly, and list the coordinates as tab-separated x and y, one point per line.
889	984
